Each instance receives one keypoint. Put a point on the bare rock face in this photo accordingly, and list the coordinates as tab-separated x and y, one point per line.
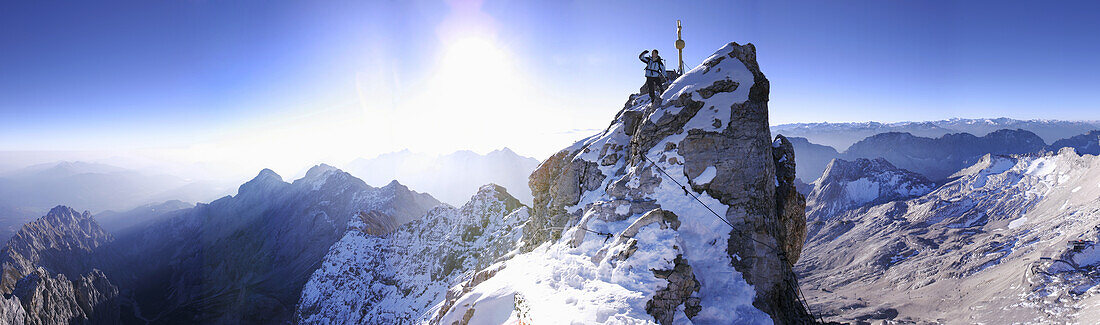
38	264
11	311
53	299
558	182
62	242
790	204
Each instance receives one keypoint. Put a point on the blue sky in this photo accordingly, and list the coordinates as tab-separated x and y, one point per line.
211	77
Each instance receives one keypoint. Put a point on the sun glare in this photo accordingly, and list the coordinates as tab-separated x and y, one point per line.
474	94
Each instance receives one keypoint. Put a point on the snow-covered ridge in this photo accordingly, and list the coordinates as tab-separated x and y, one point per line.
401	276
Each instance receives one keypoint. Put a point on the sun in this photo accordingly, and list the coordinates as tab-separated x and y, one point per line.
472	62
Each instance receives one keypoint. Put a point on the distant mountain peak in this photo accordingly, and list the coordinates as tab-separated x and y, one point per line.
61	241
266	181
394	184
319	170
267	173
847	185
66	213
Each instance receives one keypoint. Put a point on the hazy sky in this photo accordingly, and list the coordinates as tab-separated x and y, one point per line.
286	83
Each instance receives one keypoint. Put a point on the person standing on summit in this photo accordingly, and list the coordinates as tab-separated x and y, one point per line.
654	73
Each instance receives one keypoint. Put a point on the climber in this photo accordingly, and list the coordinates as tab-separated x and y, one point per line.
654	73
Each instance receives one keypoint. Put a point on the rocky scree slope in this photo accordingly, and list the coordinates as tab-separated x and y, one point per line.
38	263
991	246
245	258
613	240
398	277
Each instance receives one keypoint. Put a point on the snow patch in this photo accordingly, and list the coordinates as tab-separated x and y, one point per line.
862	190
706	176
1017	223
1041	167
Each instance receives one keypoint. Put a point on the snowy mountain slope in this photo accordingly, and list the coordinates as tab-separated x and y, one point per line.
842	135
665	257
847	185
974	250
245	258
397	278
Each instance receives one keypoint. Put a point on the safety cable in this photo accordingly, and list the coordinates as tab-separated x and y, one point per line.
798	288
605	234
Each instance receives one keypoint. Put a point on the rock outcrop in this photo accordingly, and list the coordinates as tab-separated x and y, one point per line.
54	299
789	203
625	200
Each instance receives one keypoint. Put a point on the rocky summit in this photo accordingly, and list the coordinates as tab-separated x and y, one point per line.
617	235
48	273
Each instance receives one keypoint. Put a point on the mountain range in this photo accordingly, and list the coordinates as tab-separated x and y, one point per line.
96	187
935	158
684	210
451	178
1010	239
842	135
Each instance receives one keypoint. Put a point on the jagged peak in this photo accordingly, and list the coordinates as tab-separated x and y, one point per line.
395	185
494	191
862	163
266	174
862	182
61	210
318	171
267	178
491	189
